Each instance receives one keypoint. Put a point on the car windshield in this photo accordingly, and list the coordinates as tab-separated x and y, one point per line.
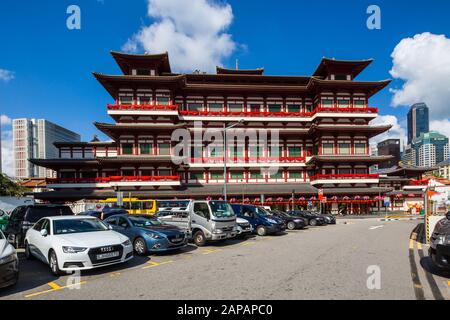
221	209
263	212
78	226
172	203
36	213
144	222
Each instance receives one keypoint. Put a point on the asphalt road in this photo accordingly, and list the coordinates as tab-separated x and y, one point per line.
329	262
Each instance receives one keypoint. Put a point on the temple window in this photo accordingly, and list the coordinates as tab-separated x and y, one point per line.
216	107
278	175
255	107
164	172
361	170
216	175
143	72
345	171
144	100
256	175
236	175
126	100
344	148
162	101
195	106
360	148
359	103
164	149
127	172
294	108
235	107
328	148
327	102
295	151
127	148
342	77
146	148
274	108
67	174
295	175
88	174
343	103
147	172
196	176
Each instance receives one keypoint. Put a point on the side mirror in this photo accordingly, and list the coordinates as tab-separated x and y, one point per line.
448	215
44	233
110	227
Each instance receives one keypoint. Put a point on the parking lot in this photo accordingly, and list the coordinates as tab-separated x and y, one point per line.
329	262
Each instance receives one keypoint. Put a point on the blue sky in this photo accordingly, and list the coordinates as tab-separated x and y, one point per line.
52	65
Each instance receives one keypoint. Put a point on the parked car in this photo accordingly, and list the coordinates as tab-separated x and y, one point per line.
204	221
24	217
73	243
329	218
4	217
243	227
292	222
105	213
261	220
9	263
311	218
439	250
148	234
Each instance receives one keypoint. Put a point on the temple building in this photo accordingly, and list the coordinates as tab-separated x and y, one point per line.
323	124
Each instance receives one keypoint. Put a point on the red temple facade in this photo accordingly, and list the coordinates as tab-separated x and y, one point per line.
323	123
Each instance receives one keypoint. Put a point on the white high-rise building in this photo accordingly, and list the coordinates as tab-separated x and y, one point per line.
33	139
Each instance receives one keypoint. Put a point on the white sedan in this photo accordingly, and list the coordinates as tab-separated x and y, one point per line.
73	243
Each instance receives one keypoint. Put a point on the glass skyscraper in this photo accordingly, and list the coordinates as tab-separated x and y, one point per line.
418	121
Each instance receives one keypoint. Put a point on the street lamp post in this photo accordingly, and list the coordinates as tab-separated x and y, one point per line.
225	157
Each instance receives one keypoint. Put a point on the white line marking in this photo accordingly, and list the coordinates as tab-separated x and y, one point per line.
376	227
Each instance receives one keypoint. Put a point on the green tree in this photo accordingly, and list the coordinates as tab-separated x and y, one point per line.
10	188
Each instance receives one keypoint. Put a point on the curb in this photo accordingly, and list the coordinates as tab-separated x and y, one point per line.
401	219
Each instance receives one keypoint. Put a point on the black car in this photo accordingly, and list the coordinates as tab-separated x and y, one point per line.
24	217
439	250
292	222
105	213
329	218
311	218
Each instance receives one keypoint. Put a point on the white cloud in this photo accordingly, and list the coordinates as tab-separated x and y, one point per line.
396	132
5	120
7	152
6	75
193	32
441	126
423	62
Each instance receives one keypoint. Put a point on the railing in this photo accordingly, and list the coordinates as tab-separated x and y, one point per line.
142	107
112	179
423	182
345	110
343	176
249	160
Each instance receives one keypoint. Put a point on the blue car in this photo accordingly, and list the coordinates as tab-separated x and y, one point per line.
262	221
148	234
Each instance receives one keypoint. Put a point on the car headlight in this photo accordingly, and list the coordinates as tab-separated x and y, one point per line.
126	243
298	220
73	249
154	235
272	221
217	231
8	259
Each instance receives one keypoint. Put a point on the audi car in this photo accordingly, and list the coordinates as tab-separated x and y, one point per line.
74	243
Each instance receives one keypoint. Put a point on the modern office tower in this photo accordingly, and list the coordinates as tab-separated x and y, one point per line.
33	139
389	147
430	149
418	121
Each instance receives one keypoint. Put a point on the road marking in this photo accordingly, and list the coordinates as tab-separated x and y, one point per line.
376	227
54	287
419	245
248	243
448	283
414	236
411	244
156	264
208	251
114	274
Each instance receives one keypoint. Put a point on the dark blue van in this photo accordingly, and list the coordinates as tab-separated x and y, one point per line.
261	220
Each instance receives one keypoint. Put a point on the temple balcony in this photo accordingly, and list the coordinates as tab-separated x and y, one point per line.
354	178
237	162
113	181
118	109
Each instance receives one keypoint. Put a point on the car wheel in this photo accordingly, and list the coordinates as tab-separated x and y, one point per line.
261	231
28	254
291	225
199	239
53	262
140	247
313	222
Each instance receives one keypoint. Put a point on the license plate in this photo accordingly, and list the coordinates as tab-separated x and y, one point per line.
108	255
177	240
